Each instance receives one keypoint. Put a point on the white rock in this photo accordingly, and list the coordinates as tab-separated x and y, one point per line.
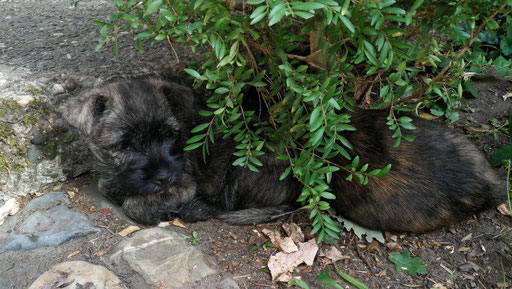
163	258
26	99
58	89
78	274
10	208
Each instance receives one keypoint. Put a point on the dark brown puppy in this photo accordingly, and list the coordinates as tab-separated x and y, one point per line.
436	180
137	129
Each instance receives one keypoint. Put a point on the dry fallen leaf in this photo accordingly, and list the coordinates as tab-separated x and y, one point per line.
504	210
176	222
484	129
464	249
164	224
294	232
334	255
282	264
284	244
374	246
393	246
128	230
427	116
507	95
391	237
468	237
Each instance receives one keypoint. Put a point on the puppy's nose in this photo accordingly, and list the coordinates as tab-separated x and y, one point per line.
162	177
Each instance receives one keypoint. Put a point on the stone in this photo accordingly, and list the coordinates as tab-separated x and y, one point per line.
46	201
25	99
228	283
70	84
58	89
78	274
34	154
46	222
10	208
163	258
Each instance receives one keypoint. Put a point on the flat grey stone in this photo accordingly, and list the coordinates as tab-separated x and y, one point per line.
228	283
93	195
47	201
45	222
78	274
163	258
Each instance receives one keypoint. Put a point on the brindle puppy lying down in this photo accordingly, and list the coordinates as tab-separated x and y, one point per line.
136	131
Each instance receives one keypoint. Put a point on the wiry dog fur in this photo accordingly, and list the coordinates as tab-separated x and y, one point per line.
137	129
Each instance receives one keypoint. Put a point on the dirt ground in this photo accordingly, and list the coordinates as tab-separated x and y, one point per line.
472	254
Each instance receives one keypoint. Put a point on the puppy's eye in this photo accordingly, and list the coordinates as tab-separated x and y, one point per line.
124	144
175	150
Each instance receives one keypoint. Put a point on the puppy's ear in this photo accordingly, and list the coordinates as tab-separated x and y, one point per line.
180	97
84	112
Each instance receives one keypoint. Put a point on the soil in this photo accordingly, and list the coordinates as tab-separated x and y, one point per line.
471	254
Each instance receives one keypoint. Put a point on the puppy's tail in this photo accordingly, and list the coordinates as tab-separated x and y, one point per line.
255	215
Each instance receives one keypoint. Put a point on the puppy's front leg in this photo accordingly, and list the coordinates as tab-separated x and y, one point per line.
151	209
197	210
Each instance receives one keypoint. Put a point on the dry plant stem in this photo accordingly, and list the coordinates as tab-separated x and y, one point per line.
420	92
173	50
310	59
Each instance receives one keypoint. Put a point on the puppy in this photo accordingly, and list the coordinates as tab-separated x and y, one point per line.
137	129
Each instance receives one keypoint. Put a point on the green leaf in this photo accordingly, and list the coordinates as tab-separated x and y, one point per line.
297	5
407	125
300	283
404	262
345	6
384	171
256	161
347	23
198	3
325	278
200	127
285	173
329	196
355	162
314	116
221	90
468	86
240	161
276	17
359	231
153	5
350	279
99	46
192	72
145	34
192	146
317	137
416	4
502	155
196	138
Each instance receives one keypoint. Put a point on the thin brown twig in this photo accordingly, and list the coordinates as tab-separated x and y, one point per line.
172	48
308	59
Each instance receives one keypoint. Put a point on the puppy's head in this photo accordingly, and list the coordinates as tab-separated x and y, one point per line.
136	131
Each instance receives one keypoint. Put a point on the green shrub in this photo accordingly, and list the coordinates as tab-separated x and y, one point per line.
309	61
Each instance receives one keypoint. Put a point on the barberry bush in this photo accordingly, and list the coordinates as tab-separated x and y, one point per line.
310	62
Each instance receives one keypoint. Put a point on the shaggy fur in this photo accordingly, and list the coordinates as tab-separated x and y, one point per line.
137	129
